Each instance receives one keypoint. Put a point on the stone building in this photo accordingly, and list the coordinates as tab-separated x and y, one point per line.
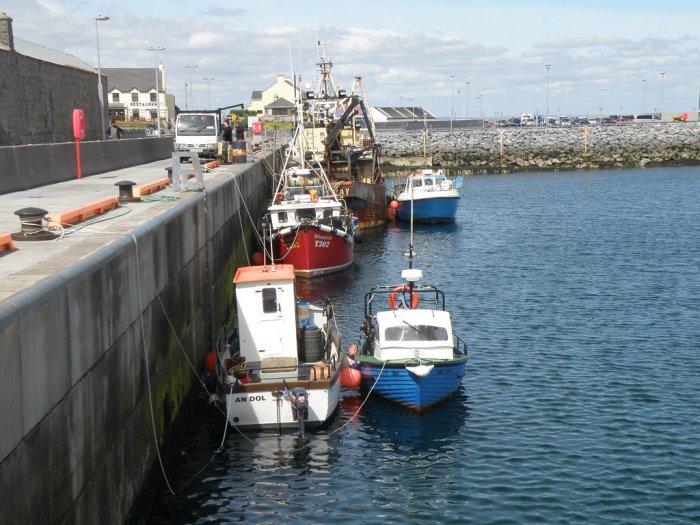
40	88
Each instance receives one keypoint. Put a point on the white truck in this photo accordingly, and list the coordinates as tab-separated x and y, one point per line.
198	131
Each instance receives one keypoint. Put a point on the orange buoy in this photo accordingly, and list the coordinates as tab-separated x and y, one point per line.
210	362
403	288
258	259
394	205
350	377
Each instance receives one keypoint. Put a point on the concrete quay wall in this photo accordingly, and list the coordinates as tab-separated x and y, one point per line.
25	167
96	359
505	150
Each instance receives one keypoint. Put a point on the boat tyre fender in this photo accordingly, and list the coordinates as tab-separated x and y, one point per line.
284	231
403	288
343	234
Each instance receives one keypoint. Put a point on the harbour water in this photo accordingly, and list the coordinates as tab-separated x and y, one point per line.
579	294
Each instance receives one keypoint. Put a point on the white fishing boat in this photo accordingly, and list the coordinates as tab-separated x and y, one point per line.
283	369
435	197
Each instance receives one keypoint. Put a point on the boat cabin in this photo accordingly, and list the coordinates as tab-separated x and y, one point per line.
267	315
304	199
428	180
283	216
409	333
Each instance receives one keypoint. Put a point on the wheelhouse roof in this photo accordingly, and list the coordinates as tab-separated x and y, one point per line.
251	274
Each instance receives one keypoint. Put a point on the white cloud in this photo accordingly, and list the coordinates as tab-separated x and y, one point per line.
402	49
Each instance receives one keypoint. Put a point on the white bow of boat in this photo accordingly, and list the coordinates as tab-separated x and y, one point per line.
420	370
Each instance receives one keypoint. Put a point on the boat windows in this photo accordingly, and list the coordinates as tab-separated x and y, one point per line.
327	214
414	332
282	216
428	182
269	300
308	213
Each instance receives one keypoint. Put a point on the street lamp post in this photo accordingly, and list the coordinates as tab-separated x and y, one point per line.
100	96
208	80
467	108
644	95
452	112
191	106
459	102
156	49
546	105
602	93
662	94
481	112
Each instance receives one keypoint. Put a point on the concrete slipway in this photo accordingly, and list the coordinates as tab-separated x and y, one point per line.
100	329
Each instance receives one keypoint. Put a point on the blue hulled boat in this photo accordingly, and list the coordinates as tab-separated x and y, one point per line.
435	198
408	352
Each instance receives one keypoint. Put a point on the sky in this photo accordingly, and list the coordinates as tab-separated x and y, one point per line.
455	58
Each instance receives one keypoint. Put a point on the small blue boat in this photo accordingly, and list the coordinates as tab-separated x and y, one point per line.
408	352
433	197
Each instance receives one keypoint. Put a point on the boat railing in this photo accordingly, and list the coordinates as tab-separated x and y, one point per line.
461	347
429	297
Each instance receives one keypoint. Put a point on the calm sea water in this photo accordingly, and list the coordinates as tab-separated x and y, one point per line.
579	294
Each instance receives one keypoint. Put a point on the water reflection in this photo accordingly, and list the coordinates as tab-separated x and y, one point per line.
410	432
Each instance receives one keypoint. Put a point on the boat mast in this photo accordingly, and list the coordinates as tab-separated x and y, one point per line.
326	87
410	240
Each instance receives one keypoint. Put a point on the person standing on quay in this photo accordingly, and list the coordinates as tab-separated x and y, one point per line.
240	132
114	132
227	133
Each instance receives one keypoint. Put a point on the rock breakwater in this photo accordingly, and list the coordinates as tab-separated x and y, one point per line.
506	150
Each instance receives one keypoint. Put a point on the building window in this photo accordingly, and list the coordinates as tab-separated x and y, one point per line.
154	114
153	97
115	97
135	114
135	97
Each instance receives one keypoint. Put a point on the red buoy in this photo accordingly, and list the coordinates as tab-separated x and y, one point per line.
210	362
350	377
258	259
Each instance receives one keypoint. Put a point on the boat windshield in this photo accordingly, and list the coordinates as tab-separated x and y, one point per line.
415	332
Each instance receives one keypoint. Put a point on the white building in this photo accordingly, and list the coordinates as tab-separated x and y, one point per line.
132	95
275	100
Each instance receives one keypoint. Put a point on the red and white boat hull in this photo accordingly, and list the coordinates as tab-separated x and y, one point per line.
313	252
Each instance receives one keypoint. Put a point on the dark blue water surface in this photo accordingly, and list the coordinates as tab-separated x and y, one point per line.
579	294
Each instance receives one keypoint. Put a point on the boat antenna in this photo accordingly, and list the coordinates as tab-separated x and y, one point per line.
410	238
410	242
272	259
